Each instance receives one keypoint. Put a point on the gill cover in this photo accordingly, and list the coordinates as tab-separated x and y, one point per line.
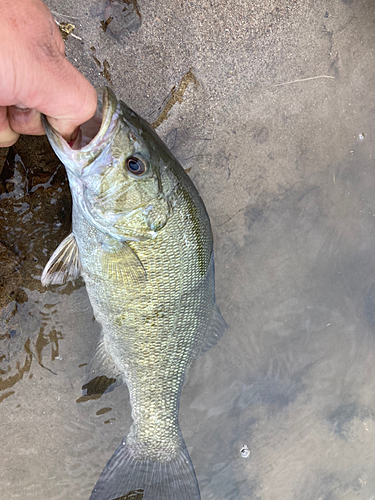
114	181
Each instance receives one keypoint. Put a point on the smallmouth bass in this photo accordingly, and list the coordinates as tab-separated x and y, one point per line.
141	239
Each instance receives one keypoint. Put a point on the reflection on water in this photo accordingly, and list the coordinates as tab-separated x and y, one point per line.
28	334
35	213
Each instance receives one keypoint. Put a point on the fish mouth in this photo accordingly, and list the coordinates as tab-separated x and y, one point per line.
93	136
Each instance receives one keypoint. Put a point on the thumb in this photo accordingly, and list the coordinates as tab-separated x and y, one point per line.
72	100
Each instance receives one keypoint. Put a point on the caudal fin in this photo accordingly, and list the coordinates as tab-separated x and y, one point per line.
127	477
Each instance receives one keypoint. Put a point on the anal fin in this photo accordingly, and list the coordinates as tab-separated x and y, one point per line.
102	375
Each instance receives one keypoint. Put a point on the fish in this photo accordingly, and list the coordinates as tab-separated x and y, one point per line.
142	241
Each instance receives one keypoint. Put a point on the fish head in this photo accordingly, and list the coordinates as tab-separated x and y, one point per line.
122	177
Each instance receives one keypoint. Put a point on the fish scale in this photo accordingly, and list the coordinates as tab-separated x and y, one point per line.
143	244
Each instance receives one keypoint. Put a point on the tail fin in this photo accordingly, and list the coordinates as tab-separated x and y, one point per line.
126	477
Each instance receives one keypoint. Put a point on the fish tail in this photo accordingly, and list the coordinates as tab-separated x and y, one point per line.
126	477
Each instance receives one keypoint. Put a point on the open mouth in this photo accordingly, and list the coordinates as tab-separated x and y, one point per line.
90	129
91	134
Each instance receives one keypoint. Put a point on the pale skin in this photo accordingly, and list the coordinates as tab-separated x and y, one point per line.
36	77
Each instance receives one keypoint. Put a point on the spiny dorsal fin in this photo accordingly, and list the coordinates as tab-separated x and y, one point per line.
64	263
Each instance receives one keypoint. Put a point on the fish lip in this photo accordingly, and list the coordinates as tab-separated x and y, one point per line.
77	159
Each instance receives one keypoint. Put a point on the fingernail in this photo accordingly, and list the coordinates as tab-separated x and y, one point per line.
21	108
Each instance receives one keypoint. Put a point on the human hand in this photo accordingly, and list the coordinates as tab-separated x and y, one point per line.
35	76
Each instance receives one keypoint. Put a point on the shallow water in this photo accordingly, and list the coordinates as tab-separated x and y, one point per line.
292	379
287	173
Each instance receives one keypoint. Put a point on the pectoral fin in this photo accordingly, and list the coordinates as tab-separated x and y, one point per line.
64	263
121	263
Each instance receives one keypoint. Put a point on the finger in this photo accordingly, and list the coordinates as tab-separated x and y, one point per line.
25	121
45	81
79	95
75	101
7	136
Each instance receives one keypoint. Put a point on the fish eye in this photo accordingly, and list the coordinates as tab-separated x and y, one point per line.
136	166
